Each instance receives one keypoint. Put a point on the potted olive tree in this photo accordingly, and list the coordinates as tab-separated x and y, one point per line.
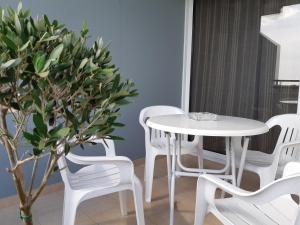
53	87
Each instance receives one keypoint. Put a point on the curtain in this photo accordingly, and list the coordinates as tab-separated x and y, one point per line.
233	66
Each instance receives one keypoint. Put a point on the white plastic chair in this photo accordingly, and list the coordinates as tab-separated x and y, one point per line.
156	143
101	175
271	205
270	166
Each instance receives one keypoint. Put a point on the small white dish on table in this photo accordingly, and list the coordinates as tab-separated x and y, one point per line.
203	116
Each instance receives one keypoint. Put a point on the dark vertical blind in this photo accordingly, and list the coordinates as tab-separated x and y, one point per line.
233	66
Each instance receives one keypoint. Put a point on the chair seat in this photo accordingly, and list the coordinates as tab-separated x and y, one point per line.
186	147
259	158
281	211
95	177
255	158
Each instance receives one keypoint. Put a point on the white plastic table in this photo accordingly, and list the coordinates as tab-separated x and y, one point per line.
232	128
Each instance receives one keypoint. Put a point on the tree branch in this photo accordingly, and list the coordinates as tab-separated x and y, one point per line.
17	173
52	163
33	175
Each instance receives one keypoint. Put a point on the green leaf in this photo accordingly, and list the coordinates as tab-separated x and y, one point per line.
36	151
72	118
9	43
61	67
108	71
123	102
85	116
26	13
36	99
27	104
1	15
55	129
55	54
47	22
67	148
92	130
61	133
83	63
116	82
52	38
84	30
20	6
10	11
39	62
43	74
39	124
42	144
47	64
28	136
33	139
18	24
49	106
11	63
116	138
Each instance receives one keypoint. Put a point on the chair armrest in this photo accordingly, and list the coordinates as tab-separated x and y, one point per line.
142	122
288	144
207	185
108	144
91	160
278	150
124	164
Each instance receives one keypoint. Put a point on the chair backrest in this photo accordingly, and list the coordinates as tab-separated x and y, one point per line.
62	163
63	168
152	135
290	131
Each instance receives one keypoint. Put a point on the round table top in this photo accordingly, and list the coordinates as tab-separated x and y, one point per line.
224	126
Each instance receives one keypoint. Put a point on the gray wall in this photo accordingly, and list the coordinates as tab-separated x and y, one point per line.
146	42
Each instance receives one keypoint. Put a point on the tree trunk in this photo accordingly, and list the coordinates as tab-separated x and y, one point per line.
26	216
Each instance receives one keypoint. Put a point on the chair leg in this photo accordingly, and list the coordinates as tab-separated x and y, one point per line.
201	204
145	167
138	202
123	202
71	203
150	162
200	158
226	173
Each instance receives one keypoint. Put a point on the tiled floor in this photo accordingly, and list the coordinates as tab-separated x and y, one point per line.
105	210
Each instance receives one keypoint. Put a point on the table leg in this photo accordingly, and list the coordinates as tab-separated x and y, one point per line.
169	166
172	199
200	153
232	159
242	161
173	176
228	161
